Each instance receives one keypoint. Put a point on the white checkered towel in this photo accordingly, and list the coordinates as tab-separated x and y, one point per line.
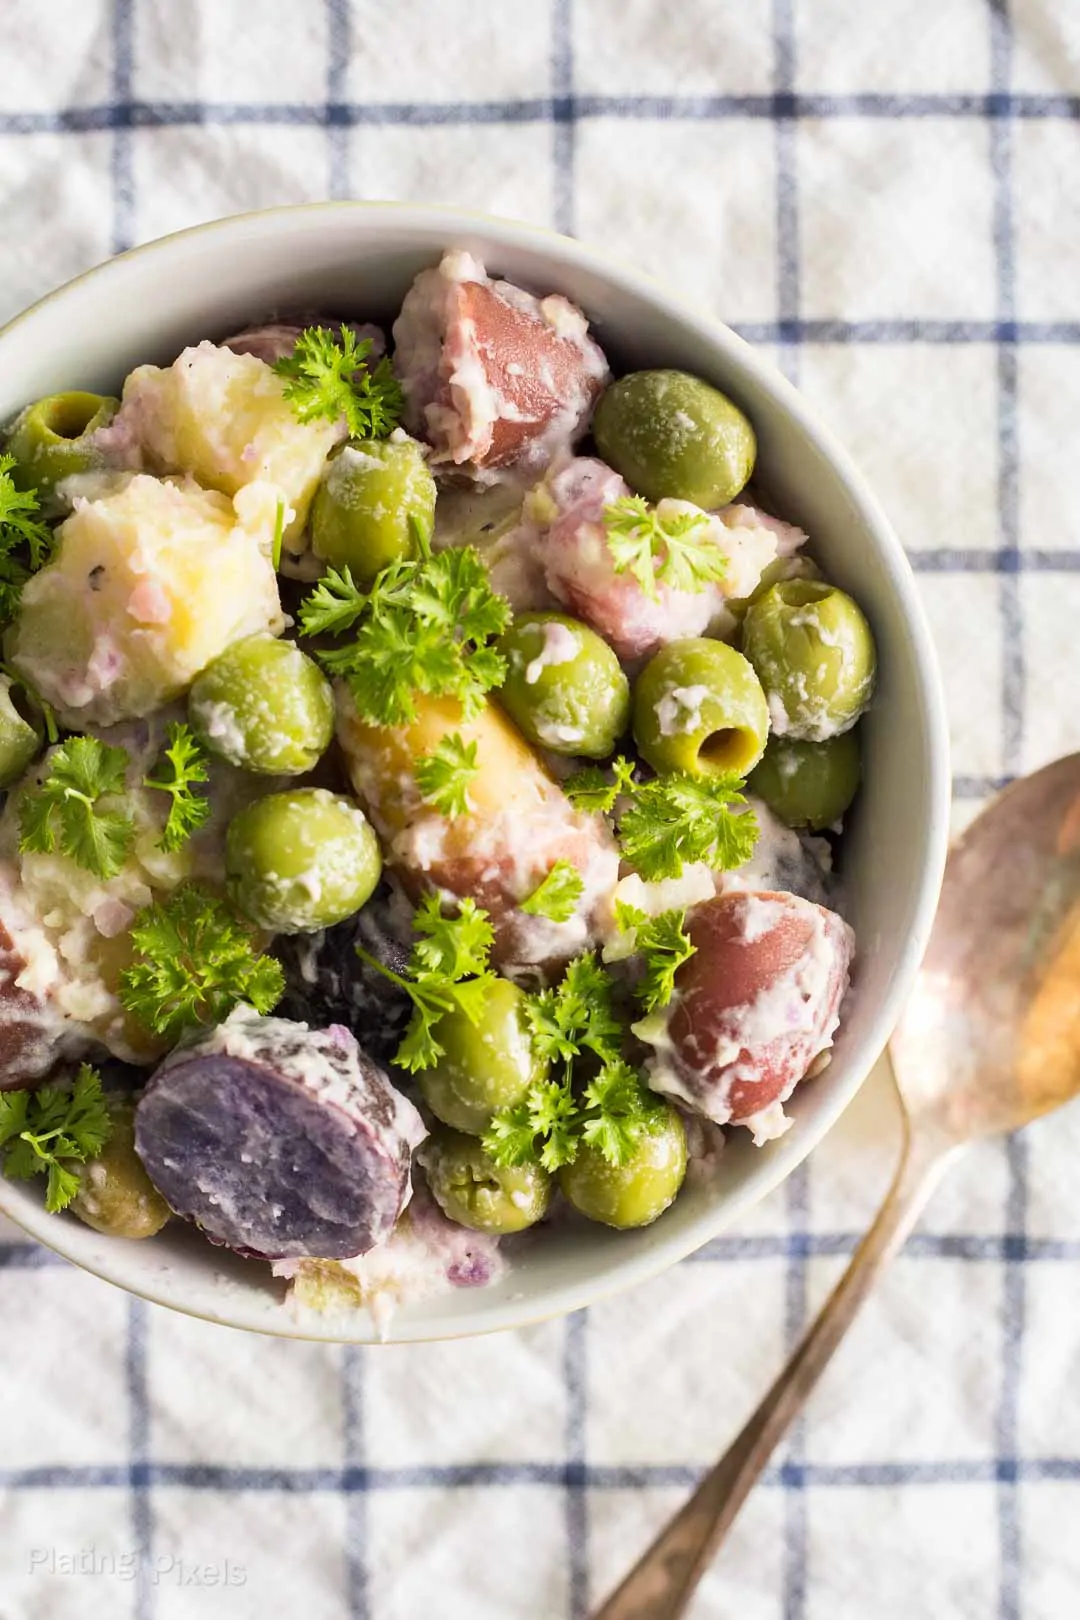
884	195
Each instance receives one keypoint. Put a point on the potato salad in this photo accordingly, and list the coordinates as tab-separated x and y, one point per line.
424	761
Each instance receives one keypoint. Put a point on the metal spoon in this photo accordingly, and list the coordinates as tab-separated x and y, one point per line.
989	1041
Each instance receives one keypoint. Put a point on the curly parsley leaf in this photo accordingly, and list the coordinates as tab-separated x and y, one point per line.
550	1124
51	1131
674	548
577	1015
557	895
679	818
427	625
194	962
331	379
448	971
443	776
334	605
618	1109
182	764
543	1128
70	810
26	541
665	945
592	789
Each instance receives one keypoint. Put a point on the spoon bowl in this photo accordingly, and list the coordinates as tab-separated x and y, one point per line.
989	1040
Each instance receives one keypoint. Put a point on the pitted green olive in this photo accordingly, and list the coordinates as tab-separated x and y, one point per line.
671	434
797	566
475	1192
485	1066
637	1192
371	497
53	439
699	707
564	686
301	860
808	784
264	705
814	654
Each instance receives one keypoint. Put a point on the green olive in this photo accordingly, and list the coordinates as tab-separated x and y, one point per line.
670	434
21	733
637	1192
115	1193
301	860
796	566
485	1066
564	686
372	496
475	1192
53	438
699	707
808	784
264	705
814	654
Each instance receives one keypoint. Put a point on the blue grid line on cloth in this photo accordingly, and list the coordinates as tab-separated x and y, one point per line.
358	1605
339	44
797	1191
122	177
1013	695
565	107
786	1476
577	1473
1007	561
122	168
918	330
562	113
968	1246
139	1453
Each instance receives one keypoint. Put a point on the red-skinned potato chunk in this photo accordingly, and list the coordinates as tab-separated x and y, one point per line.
754	1006
493	376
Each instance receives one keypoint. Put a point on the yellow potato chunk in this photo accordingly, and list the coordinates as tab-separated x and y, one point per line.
223	419
382	763
151	581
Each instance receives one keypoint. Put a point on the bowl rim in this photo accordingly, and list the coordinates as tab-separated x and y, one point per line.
237	1308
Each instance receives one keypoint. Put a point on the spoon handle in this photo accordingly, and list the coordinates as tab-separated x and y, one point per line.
661	1584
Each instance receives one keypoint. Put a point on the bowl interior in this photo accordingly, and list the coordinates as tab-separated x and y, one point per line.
356	260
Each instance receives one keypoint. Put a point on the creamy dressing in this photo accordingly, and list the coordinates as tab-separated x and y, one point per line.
678	711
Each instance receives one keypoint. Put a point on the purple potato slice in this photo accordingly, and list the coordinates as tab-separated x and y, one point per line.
279	1141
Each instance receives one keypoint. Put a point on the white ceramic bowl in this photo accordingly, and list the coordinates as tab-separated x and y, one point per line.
358	259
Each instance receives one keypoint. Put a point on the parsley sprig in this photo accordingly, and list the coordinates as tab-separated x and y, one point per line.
572	1024
331	379
426	625
665	946
76	808
675	549
194	962
53	1130
671	820
26	542
592	789
448	970
443	775
557	895
182	765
